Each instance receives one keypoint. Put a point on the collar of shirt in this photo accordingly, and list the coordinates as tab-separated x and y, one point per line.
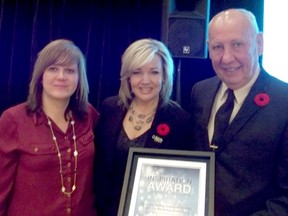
240	95
39	118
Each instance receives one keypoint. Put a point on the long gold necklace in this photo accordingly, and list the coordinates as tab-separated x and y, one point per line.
139	120
63	188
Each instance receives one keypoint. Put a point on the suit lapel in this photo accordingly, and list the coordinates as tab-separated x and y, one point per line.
209	103
248	109
204	115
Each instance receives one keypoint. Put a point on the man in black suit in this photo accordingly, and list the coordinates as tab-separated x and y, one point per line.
252	153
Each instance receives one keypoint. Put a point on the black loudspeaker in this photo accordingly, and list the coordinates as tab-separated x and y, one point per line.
184	27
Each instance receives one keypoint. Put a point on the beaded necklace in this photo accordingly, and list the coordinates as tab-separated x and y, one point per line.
75	154
138	120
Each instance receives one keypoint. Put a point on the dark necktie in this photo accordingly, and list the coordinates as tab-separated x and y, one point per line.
222	118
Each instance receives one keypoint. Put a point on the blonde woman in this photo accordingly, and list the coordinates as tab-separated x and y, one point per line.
142	115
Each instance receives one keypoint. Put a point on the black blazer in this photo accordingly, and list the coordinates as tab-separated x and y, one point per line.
252	160
110	162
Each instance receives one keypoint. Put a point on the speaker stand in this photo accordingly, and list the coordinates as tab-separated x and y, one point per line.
178	83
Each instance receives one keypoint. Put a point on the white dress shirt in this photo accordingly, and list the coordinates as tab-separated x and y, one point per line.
221	96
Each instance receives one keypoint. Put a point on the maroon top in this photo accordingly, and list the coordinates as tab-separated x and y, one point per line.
30	181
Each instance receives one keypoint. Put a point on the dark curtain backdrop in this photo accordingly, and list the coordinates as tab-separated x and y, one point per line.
101	28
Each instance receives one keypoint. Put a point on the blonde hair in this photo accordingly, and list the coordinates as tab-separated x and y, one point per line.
138	54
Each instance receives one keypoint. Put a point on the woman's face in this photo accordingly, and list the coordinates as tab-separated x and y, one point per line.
146	81
60	82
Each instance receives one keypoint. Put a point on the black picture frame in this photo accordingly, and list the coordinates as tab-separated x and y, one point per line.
168	182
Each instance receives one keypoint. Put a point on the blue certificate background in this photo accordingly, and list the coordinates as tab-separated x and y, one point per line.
167	191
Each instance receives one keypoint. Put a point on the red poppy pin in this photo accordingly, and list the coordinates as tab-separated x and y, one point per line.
163	129
262	99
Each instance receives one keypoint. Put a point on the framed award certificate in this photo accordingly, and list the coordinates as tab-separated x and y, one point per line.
168	182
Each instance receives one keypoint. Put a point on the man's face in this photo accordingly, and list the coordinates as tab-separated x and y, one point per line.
234	49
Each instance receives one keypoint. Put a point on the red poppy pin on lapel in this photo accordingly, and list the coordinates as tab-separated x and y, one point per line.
262	99
162	130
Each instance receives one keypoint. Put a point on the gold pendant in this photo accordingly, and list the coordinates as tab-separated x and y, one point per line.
137	127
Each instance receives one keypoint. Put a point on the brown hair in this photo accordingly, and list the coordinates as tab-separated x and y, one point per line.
59	52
